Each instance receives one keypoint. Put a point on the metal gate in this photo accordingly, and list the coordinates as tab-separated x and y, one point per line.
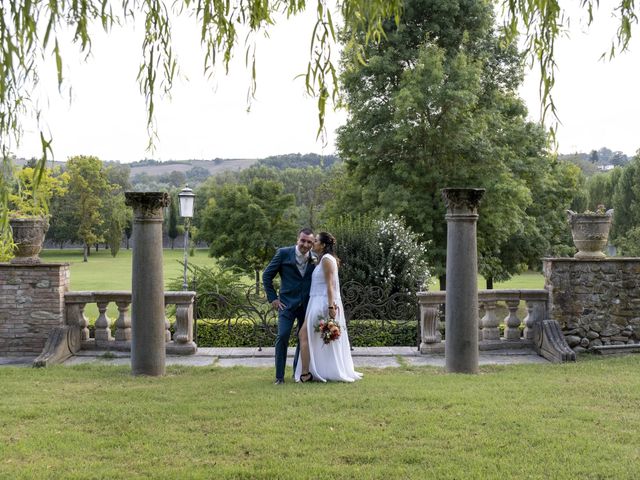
246	319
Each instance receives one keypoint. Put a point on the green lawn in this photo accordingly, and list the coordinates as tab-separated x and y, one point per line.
524	281
569	421
104	272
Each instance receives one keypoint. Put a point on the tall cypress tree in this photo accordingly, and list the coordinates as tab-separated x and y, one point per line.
172	231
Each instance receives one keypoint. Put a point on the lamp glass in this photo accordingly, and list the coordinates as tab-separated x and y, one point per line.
186	197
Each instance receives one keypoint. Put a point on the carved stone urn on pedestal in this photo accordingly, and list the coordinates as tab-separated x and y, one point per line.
28	237
590	233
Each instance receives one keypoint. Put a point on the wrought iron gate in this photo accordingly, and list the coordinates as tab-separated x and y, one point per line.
246	319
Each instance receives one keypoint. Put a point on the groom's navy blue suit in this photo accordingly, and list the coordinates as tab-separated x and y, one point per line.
294	294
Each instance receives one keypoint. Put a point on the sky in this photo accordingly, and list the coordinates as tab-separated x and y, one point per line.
597	100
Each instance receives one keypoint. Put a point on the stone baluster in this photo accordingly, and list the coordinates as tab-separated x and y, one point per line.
123	322
183	343
74	306
489	322
167	329
536	312
83	323
103	324
511	321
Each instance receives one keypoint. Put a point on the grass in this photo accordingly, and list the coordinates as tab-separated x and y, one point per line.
525	281
104	272
564	421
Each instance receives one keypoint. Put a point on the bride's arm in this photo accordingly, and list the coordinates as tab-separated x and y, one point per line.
329	270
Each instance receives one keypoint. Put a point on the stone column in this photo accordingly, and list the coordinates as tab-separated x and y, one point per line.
461	307
147	283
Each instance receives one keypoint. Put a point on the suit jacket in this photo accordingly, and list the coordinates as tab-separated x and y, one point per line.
294	288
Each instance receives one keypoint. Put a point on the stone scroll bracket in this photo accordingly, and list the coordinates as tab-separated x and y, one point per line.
549	342
62	343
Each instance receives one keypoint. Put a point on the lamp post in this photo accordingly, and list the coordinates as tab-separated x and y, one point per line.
187	198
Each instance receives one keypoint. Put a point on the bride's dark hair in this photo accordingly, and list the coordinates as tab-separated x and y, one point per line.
329	244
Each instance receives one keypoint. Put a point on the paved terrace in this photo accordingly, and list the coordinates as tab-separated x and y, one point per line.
374	357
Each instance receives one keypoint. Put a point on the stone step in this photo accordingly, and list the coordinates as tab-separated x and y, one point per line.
613	349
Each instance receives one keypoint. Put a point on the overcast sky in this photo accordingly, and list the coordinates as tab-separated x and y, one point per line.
598	101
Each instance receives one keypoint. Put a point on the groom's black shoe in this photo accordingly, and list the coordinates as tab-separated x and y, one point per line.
279	381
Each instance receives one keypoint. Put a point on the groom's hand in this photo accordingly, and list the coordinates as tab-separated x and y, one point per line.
278	305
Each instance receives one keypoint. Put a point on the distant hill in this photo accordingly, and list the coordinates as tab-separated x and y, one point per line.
214	167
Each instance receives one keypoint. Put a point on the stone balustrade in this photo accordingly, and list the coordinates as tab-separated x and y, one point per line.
517	331
105	339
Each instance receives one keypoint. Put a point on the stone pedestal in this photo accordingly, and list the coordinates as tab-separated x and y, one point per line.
147	283
595	301
461	307
31	305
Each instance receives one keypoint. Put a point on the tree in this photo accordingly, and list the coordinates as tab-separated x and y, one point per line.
197	175
246	224
436	106
88	186
172	231
26	199
63	226
601	188
116	215
626	203
618	159
174	178
119	175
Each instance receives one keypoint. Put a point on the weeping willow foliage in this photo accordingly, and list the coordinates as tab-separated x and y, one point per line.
541	22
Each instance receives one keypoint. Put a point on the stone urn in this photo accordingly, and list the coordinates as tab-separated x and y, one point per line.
28	236
590	233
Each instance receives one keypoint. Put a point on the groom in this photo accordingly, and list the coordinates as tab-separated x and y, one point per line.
295	267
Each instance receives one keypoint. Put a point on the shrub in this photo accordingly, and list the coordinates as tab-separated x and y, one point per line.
361	334
381	253
215	288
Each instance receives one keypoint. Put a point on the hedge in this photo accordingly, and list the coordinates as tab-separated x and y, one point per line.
361	334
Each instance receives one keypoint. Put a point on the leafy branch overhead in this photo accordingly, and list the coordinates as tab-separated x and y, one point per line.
543	21
33	31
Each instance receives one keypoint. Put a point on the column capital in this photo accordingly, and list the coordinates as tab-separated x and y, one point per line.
147	205
462	201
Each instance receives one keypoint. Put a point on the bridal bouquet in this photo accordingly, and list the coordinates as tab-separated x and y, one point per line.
328	328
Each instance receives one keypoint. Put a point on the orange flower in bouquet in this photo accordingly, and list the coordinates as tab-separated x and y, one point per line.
328	328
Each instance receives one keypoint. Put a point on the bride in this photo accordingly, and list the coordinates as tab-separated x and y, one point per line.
322	361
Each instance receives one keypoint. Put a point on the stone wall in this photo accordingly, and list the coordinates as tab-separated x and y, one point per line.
31	304
596	302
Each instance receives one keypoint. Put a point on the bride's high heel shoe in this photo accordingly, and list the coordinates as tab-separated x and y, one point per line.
306	377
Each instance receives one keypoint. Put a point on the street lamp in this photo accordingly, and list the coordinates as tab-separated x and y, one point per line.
187	198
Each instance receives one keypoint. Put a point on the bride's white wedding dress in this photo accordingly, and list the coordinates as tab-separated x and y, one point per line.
331	361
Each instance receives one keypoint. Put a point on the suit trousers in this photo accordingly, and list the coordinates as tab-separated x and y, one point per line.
285	325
